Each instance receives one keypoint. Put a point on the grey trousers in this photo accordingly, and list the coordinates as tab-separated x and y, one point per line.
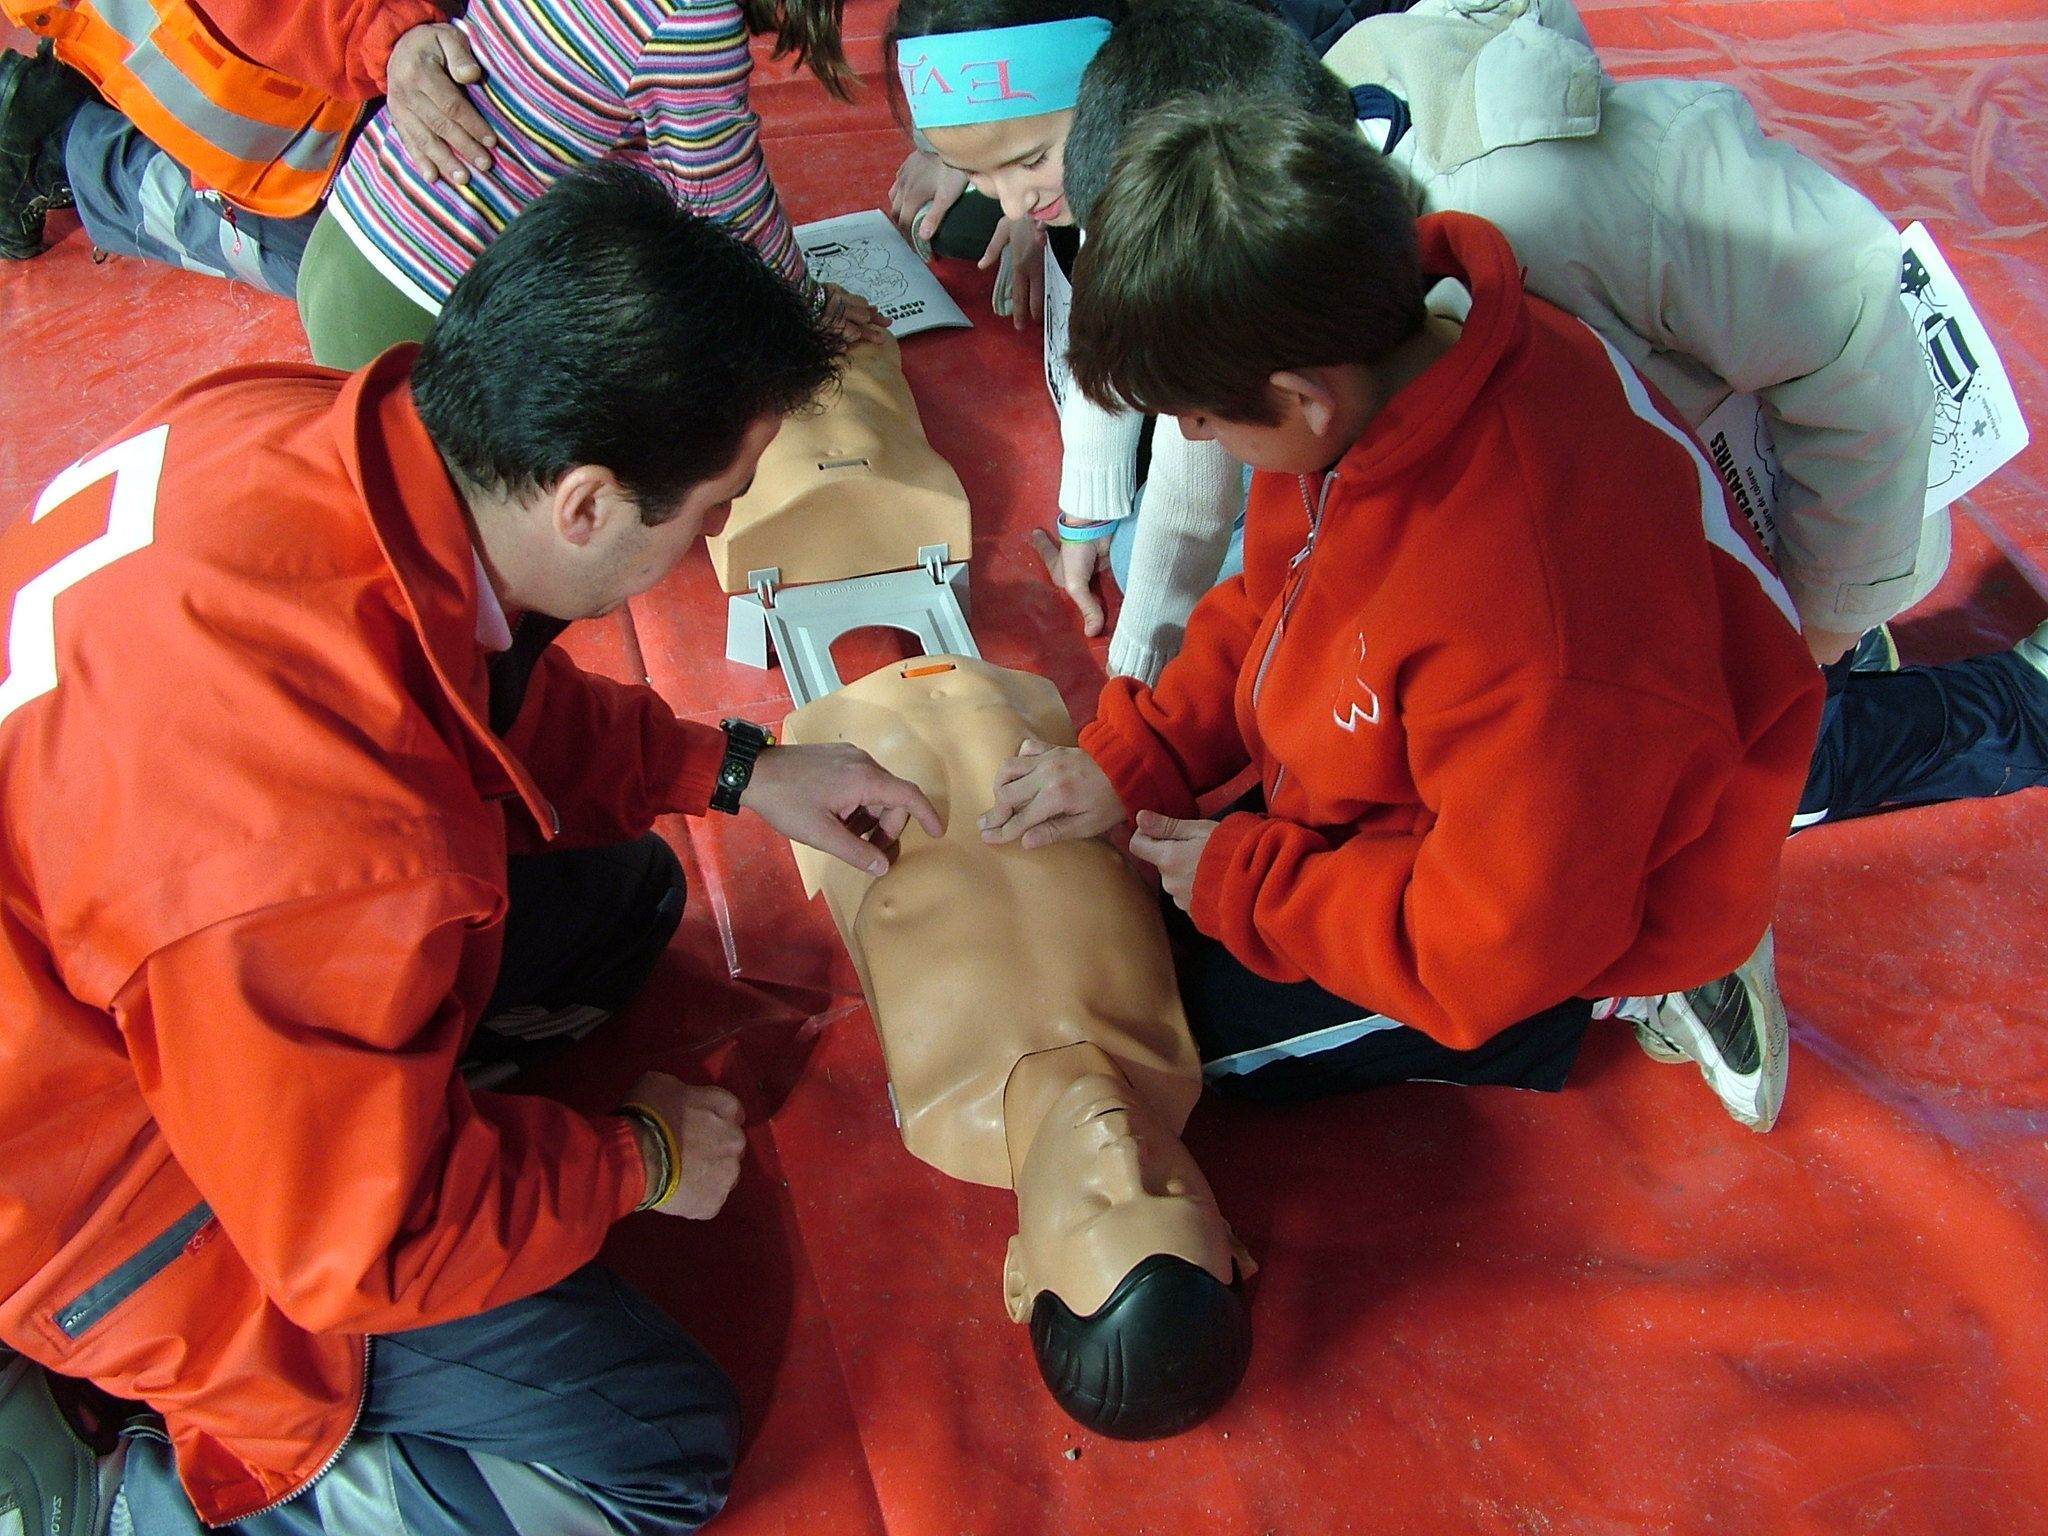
137	201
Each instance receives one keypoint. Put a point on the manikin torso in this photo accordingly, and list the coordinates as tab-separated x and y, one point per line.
972	956
848	490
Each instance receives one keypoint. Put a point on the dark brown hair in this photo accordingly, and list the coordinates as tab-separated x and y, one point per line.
810	30
1170	48
1238	237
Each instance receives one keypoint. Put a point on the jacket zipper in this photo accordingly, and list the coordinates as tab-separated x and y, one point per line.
362	1402
1295	583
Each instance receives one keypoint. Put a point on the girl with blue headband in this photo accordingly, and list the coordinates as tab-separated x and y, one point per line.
990	87
1041	48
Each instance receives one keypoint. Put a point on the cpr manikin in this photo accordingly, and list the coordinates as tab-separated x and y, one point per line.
847	491
1035	1040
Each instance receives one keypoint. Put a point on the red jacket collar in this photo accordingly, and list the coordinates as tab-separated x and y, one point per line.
1413	426
424	532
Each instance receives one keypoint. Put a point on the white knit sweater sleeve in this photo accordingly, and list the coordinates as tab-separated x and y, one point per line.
1098	459
1192	496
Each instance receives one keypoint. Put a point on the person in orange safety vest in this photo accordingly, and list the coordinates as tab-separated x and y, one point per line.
204	133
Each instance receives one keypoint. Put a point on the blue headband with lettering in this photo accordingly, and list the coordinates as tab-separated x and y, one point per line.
954	78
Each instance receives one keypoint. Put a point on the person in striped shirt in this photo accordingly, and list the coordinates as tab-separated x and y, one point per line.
657	83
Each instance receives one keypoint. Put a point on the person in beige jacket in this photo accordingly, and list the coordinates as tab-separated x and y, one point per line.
1713	258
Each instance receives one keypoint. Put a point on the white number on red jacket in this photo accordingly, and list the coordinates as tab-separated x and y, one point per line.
134	465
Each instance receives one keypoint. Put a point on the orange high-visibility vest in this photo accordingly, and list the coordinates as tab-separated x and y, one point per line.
264	142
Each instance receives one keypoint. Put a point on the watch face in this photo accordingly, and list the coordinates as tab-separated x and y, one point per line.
731	775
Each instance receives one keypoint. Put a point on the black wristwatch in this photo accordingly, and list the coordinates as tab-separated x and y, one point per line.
743	743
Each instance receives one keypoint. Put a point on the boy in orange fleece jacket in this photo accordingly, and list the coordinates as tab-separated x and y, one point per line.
1479	555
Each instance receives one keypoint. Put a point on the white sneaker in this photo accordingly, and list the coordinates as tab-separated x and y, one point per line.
1735	1029
2034	650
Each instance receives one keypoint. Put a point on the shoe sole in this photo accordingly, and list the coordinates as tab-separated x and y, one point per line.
1751	1098
1656	1047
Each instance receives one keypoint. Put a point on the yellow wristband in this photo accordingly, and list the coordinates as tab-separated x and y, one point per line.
663	1188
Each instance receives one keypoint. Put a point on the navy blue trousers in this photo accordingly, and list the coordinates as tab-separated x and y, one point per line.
583	1409
1966	730
1281	1042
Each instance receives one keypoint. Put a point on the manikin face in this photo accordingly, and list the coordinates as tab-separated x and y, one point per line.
1018	161
1105	1186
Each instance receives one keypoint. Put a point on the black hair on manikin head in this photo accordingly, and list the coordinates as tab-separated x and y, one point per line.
1162	1354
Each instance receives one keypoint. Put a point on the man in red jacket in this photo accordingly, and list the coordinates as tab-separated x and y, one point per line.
1478	556
297	794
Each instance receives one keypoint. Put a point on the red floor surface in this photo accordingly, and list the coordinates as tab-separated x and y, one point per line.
1480	1312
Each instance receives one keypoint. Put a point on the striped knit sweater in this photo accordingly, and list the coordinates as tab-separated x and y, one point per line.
657	83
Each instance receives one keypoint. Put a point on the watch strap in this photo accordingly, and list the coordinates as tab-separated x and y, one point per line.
744	743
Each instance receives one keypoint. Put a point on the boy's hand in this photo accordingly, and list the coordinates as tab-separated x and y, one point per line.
832	796
1046	794
1073	567
1174	848
442	131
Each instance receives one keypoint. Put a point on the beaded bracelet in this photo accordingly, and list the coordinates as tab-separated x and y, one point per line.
663	1186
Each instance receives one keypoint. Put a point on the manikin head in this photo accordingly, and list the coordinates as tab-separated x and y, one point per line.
992	85
602	383
1122	1264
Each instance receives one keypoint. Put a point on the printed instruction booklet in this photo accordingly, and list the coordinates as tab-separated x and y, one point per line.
866	254
1977	421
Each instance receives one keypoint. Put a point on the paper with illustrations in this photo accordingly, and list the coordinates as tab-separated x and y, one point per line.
1977	421
866	254
1059	299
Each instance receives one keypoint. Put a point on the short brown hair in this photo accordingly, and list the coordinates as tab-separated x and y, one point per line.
1238	237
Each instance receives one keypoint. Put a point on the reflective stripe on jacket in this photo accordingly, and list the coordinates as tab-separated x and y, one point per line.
266	143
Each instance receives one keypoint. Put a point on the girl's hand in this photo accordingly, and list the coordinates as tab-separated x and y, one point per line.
926	185
1073	567
1025	241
